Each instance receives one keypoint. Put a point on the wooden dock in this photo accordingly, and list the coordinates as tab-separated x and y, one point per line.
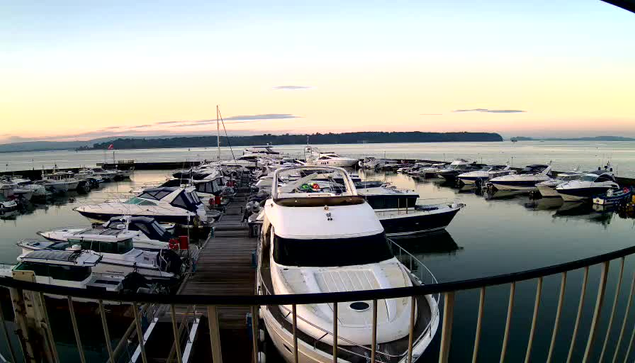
225	267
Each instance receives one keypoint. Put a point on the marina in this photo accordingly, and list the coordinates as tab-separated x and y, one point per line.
483	228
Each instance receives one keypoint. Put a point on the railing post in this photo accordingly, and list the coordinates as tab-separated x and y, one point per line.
618	288
177	335
214	333
596	313
254	332
579	316
295	333
479	324
556	323
628	308
137	321
413	309
510	308
78	339
446	329
19	311
373	350
534	319
104	324
335	318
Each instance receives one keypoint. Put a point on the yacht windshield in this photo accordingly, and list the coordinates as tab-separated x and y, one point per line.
331	252
590	177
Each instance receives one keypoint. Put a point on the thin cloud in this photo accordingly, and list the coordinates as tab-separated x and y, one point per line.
168	122
141	126
487	110
291	88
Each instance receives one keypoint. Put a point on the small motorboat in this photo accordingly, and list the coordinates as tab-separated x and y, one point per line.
593	184
146	233
525	180
165	204
614	197
64	268
547	188
119	257
418	220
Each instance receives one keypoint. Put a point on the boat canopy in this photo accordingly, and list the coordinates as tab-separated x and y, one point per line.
75	258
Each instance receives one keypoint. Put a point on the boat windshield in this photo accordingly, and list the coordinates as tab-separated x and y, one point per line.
137	201
118	248
58	272
331	252
589	177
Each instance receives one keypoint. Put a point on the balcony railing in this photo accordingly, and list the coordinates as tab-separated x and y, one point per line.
148	305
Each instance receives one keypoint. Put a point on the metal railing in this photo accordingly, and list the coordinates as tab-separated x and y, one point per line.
596	340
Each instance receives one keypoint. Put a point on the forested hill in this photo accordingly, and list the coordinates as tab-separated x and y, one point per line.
287	139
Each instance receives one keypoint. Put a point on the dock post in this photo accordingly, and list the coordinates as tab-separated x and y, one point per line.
214	334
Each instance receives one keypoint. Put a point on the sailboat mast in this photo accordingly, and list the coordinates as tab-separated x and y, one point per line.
217	133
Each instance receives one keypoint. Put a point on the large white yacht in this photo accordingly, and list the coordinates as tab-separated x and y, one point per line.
318	240
590	185
165	204
316	157
524	180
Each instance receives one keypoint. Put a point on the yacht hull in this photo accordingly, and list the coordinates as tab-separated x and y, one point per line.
573	195
398	223
528	186
105	217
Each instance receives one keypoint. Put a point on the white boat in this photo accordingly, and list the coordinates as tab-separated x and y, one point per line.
386	196
60	182
64	268
315	157
146	233
119	257
485	173
341	248
38	191
524	180
547	188
417	220
167	205
105	175
430	171
590	185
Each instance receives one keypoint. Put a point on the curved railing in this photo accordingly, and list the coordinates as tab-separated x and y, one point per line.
448	289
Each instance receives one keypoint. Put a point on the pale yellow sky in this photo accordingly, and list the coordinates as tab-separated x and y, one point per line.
569	80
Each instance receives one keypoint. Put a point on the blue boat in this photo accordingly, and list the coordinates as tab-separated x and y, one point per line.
613	197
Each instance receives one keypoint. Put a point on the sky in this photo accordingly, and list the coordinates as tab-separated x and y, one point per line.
87	69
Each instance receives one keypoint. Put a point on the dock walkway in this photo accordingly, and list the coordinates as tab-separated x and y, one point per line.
225	267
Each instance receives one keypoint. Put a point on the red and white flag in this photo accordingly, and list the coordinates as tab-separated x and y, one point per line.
111	147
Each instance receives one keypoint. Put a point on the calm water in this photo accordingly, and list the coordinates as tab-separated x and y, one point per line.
565	155
489	236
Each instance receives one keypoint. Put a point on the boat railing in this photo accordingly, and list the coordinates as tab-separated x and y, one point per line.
606	334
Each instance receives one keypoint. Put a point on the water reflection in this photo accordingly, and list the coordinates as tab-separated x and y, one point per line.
439	243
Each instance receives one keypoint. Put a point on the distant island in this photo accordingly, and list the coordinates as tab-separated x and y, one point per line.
288	139
590	138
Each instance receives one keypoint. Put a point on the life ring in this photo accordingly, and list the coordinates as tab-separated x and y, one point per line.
315	186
